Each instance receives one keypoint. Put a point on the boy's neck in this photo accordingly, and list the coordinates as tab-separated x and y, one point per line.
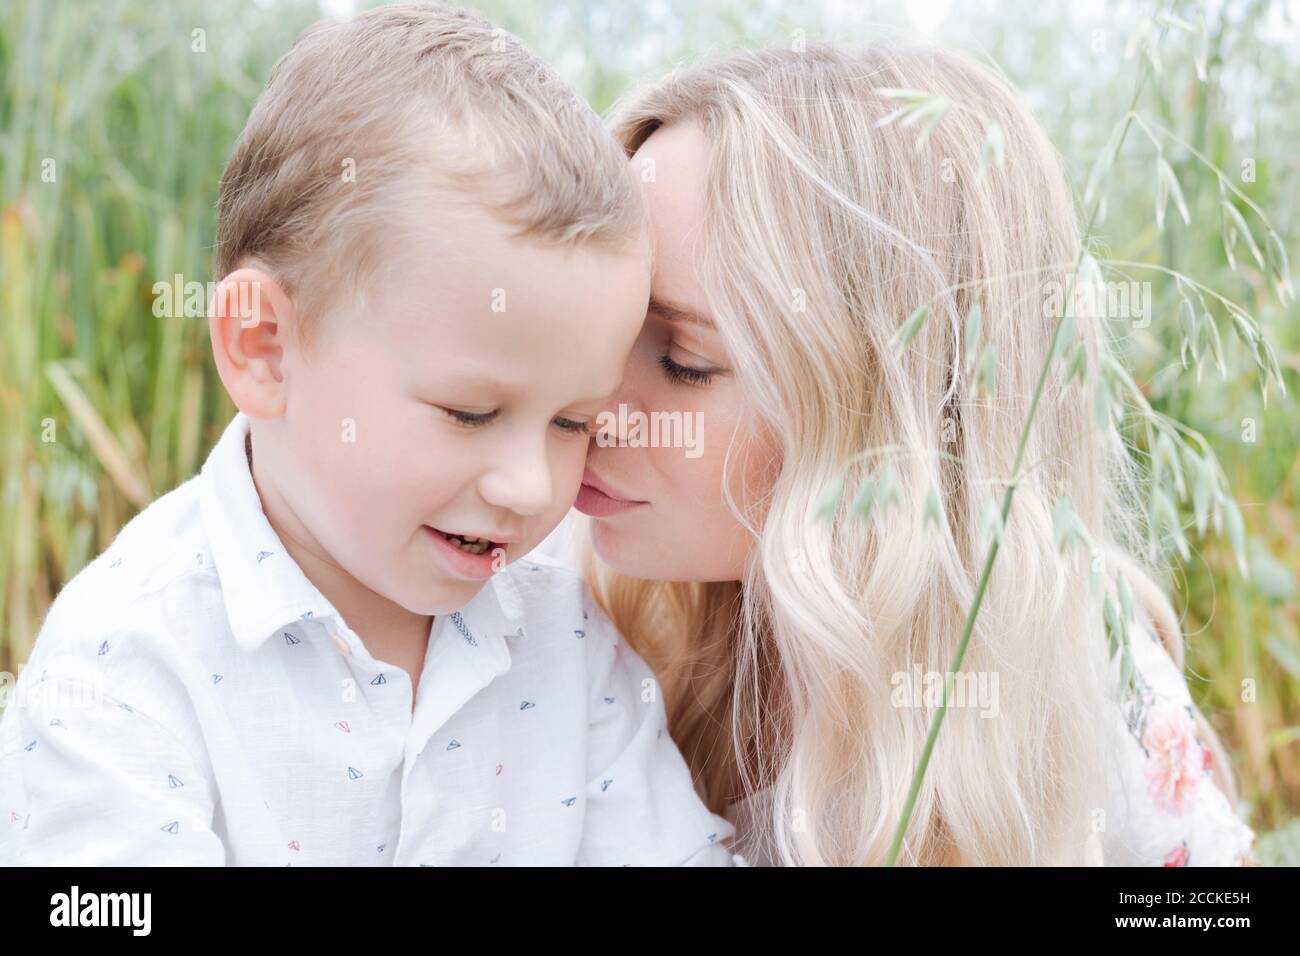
385	627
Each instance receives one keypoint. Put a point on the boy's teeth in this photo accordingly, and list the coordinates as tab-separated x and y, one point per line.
469	544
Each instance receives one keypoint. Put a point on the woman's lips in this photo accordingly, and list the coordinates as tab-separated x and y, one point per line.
598	500
594	502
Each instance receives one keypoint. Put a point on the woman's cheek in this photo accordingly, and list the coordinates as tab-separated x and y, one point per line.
753	470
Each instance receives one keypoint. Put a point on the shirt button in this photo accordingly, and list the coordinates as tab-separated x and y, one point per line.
341	644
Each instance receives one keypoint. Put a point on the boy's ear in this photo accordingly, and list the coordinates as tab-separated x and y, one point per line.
250	321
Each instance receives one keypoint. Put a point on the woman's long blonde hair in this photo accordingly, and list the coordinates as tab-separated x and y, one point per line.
824	229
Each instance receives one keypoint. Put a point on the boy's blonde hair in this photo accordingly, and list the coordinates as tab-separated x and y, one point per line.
362	116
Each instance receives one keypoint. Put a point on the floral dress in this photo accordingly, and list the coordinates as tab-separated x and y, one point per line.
1164	808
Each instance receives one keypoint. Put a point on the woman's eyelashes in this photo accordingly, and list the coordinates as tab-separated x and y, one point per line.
477	419
684	374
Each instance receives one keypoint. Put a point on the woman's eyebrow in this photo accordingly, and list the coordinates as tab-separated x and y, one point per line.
671	312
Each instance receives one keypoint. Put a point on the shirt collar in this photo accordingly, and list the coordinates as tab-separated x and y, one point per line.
262	586
468	649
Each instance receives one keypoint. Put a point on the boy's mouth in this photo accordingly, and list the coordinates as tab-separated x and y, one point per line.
470	544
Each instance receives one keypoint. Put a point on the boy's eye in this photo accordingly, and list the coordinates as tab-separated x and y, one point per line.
469	418
474	419
682	373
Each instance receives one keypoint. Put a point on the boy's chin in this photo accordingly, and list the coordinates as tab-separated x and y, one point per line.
442	598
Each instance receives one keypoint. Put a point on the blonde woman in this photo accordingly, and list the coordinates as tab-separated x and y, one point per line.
794	232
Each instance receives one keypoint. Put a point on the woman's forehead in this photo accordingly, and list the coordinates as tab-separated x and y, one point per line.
671	166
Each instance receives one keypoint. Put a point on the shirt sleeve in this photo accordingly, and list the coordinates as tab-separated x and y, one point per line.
1165	809
641	806
86	780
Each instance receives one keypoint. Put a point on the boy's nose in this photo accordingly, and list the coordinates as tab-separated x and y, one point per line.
521	483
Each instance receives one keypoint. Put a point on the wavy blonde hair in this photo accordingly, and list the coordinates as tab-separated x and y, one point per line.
822	230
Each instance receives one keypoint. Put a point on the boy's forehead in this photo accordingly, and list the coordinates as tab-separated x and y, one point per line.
460	292
476	335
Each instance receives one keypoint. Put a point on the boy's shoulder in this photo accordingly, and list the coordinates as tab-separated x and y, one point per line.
125	589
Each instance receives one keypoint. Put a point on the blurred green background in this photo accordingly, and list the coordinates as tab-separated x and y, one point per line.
116	119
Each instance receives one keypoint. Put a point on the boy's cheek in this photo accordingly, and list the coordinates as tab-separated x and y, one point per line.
566	482
566	476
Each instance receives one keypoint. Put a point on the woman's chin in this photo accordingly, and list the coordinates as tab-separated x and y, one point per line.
634	554
628	552
608	545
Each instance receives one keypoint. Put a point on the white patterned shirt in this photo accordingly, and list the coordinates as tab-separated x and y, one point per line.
193	699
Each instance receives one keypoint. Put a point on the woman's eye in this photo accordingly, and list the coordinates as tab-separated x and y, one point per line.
569	425
681	373
470	419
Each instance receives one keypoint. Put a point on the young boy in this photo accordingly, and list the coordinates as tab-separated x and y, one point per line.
324	648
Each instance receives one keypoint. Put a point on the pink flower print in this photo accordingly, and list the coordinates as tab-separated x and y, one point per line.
1174	759
1177	856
